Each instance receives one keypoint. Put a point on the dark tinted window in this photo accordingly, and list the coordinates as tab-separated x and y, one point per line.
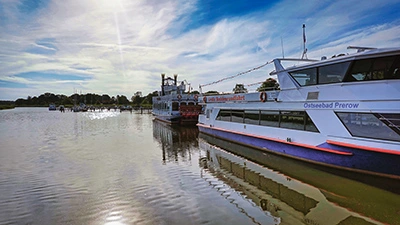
298	120
332	73
394	72
292	120
175	106
237	116
251	116
305	77
224	115
310	126
269	118
375	69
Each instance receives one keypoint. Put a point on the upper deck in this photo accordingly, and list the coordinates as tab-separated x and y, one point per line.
370	65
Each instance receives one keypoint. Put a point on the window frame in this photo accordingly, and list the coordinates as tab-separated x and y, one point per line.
372	73
307	121
353	133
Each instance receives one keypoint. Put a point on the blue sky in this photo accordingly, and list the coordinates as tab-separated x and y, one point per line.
122	46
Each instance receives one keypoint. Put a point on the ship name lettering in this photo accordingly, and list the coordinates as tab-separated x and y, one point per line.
331	105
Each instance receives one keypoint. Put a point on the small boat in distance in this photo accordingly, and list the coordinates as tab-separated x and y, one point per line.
52	107
61	108
173	105
342	112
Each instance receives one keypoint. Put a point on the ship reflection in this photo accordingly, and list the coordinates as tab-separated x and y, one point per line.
176	142
294	192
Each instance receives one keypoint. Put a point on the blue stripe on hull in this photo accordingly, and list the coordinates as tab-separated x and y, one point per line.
367	161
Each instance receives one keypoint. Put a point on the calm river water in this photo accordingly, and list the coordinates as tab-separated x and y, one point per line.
124	168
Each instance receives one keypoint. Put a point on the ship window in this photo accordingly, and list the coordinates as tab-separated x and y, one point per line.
310	126
237	116
251	117
392	119
224	115
208	111
375	69
332	73
191	103
175	106
372	125
394	72
269	118
297	120
381	67
305	77
361	70
292	120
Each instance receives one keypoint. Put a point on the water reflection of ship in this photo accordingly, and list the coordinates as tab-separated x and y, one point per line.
295	192
176	142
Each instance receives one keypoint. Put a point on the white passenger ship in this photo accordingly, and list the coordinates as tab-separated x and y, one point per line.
342	112
173	105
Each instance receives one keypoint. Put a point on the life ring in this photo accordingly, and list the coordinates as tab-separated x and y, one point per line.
196	97
204	99
263	96
179	97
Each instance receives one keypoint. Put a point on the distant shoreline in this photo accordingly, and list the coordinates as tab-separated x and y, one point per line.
7	107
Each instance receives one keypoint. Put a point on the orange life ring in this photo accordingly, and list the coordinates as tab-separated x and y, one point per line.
263	96
204	99
196	97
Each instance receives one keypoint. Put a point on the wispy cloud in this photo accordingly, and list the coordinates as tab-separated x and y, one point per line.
121	46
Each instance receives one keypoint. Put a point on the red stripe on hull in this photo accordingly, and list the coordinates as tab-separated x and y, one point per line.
283	141
343	144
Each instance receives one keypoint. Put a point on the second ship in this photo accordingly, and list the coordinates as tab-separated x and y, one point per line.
174	105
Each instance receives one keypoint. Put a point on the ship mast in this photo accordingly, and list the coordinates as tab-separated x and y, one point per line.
304	55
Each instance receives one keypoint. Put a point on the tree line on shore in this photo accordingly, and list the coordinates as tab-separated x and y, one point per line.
88	99
47	98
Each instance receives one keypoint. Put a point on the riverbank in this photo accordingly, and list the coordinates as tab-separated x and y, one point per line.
7	107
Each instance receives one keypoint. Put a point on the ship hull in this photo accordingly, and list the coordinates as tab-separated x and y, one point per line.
358	160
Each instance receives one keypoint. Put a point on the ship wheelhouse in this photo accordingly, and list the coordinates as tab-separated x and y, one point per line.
349	71
353	70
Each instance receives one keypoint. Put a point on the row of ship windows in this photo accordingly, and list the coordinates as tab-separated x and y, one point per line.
297	120
367	125
175	105
360	70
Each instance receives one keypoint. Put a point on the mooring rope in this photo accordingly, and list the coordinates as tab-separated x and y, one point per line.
239	74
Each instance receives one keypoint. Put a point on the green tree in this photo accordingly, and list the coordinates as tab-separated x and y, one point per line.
211	93
270	83
122	100
67	101
20	102
105	99
113	100
137	100
149	97
239	88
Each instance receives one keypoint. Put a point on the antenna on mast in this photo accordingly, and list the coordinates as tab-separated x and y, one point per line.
304	55
283	53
